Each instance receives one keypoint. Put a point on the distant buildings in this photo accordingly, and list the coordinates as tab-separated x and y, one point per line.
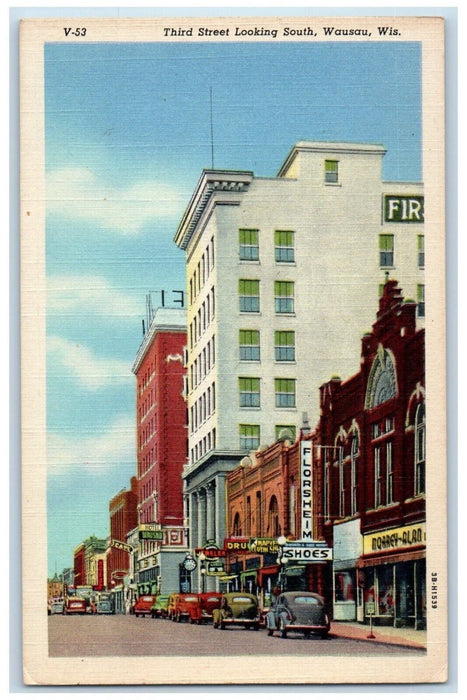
123	518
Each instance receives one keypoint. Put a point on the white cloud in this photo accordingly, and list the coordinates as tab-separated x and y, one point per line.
87	294
79	194
95	453
92	372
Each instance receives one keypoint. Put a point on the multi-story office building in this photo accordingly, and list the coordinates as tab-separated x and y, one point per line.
123	518
283	275
161	450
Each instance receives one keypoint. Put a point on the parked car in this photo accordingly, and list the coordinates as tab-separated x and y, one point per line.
298	611
143	605
183	606
171	605
56	607
75	606
104	604
159	607
236	609
202	611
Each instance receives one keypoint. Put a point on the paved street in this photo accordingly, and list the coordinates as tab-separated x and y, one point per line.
126	635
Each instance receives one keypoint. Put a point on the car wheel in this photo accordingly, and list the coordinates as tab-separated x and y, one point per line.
247	626
324	635
307	635
222	625
270	632
136	614
282	629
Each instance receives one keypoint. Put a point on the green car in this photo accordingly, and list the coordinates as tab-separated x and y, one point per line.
160	605
237	609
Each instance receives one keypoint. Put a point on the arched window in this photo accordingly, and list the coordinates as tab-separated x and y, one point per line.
274	529
382	383
237	527
420	449
354	448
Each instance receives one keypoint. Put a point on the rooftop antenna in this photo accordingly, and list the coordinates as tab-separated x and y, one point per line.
212	131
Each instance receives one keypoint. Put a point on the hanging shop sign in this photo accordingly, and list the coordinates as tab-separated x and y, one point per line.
306	476
307	551
264	545
397	538
210	551
116	544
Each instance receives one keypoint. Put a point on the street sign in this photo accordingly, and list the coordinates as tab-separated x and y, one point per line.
154	535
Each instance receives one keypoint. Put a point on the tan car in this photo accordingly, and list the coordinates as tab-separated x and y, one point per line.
237	609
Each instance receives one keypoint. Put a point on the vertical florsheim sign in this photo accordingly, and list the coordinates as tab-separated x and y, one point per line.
306	491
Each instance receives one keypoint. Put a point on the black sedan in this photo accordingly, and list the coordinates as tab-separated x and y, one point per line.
298	611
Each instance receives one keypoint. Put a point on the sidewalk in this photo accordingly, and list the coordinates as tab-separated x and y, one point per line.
402	636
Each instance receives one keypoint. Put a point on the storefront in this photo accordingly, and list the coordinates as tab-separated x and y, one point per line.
347	595
392	575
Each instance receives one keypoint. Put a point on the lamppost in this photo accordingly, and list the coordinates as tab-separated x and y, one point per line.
281	560
202	570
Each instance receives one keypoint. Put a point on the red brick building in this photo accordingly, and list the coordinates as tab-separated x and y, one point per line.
162	435
370	452
123	518
266	502
79	565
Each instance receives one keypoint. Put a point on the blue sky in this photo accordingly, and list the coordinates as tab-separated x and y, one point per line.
127	135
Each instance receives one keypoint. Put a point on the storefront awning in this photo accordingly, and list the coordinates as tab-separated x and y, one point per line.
390	558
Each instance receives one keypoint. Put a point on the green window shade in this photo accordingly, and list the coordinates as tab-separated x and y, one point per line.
421	251
248	236
284	346
249	249
285	393
284	297
249	345
284	242
386	250
249	392
284	238
331	170
248	287
249	295
421	300
249	437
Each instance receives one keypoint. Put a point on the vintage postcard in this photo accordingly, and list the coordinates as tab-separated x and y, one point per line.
233	350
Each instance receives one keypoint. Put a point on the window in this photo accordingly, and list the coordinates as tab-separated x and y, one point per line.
249	392
421	300
420	450
386	250
353	475
249	437
389	474
249	345
274	528
284	297
284	246
421	251
237	528
377	471
285	393
284	346
248	291
249	247
280	429
331	171
341	482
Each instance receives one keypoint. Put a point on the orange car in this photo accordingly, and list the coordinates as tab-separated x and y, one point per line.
202	611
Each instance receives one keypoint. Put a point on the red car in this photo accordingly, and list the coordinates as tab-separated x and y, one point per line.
183	605
75	606
143	605
202	611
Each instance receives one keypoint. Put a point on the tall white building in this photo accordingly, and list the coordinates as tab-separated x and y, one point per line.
283	279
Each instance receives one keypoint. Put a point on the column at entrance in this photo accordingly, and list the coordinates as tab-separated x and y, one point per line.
210	511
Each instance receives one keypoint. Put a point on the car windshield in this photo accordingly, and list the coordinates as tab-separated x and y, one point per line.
241	599
191	599
305	600
147	598
212	599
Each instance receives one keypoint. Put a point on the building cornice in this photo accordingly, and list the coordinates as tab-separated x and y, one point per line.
160	325
330	147
210	184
